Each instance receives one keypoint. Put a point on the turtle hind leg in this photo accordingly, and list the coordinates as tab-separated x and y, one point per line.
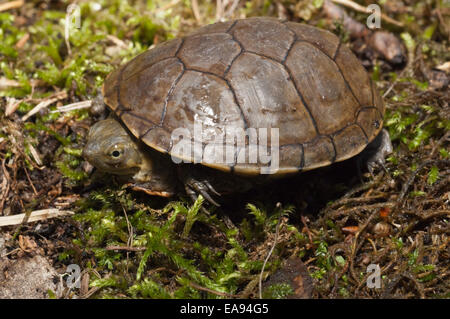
375	153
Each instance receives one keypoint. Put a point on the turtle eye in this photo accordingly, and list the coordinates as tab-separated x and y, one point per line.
116	152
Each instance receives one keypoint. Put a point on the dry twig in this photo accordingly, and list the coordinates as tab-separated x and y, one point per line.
277	231
52	99
34	216
357	7
11	5
196	11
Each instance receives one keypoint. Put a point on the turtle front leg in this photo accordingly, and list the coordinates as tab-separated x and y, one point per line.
194	187
210	183
196	183
375	153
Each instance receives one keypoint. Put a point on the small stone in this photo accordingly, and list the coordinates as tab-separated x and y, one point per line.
382	229
26	278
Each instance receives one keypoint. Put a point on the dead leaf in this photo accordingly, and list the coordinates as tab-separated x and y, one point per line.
384	212
27	244
350	229
294	273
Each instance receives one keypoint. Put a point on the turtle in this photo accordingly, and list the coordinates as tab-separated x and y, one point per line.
236	104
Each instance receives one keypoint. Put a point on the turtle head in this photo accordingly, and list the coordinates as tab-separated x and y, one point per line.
111	149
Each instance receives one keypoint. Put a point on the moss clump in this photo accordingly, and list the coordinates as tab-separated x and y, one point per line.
278	291
161	242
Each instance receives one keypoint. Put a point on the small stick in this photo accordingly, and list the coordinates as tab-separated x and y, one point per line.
5	83
130	232
54	98
19	45
427	214
413	176
219	10
307	230
126	248
196	11
5	186
438	144
29	180
357	7
361	208
445	67
73	106
232	8
35	154
11	5
355	200
11	105
268	256
167	6
117	41
215	292
34	216
354	247
393	84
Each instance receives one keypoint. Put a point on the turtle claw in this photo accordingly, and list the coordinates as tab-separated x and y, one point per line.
211	188
193	195
193	188
203	188
375	153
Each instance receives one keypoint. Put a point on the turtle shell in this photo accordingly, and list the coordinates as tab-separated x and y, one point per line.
246	77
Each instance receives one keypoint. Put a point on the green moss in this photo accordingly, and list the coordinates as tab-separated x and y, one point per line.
324	260
407	125
222	270
191	215
278	291
433	175
149	289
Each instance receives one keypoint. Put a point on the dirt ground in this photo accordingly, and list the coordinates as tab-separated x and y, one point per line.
327	233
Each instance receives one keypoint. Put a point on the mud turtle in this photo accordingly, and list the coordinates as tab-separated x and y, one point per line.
177	104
